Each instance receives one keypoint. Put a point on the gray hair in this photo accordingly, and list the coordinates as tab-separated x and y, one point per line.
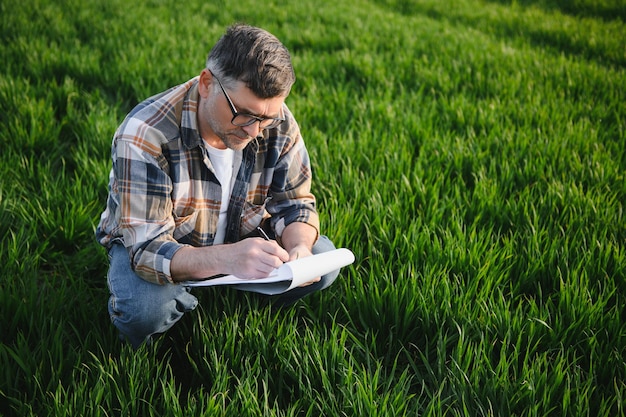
255	57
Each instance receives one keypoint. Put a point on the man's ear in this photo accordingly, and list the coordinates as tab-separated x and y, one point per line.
204	83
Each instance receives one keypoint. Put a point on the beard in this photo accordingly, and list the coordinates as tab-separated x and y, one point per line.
233	137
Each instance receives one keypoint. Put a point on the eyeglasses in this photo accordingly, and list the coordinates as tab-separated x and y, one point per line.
243	119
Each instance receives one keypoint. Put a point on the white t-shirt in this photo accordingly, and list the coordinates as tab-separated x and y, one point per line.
226	164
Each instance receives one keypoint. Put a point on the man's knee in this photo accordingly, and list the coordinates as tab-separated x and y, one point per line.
139	308
323	244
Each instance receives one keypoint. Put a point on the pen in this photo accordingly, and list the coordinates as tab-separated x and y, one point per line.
262	233
266	237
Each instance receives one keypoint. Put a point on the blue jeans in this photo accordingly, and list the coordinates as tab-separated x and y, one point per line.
140	309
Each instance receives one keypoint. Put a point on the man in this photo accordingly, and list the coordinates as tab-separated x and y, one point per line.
196	170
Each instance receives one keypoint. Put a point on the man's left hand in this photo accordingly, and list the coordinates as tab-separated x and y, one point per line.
299	252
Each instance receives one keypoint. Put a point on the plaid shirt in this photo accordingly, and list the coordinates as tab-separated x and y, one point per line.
163	192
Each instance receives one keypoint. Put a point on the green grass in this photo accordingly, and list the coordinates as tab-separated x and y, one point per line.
471	153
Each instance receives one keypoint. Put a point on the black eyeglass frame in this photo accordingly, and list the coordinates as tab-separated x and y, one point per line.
274	122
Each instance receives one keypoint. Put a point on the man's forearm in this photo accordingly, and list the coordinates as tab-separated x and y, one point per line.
299	235
249	258
195	263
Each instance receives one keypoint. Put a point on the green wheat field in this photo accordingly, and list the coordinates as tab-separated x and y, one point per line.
471	153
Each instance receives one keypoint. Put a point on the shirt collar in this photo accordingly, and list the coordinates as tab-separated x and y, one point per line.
189	133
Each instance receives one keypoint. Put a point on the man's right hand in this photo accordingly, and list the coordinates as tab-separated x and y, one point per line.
254	258
248	258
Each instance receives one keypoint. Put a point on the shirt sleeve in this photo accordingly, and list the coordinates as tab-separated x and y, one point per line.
292	199
144	203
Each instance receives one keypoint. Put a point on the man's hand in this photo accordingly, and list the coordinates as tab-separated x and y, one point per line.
249	258
298	252
298	239
254	258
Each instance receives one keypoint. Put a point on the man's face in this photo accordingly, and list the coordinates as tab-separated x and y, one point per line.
216	113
